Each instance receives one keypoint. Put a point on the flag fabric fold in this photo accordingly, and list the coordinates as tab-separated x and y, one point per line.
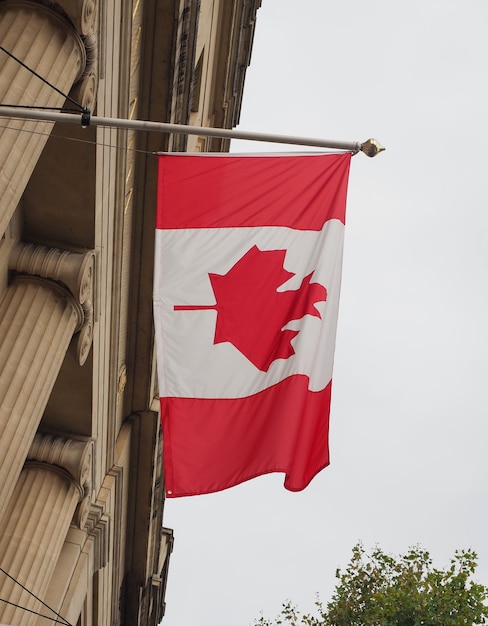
246	292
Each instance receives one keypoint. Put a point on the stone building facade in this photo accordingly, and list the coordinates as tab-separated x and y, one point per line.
81	482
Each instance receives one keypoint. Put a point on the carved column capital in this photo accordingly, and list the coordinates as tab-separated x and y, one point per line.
72	270
85	90
82	13
74	458
72	455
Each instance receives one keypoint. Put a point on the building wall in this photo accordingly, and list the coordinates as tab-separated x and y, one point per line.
81	481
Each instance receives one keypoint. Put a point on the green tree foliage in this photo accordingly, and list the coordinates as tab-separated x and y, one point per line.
380	590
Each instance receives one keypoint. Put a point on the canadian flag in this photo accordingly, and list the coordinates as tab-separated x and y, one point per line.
246	293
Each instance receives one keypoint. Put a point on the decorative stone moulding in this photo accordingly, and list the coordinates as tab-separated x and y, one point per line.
73	457
98	527
73	271
81	13
85	92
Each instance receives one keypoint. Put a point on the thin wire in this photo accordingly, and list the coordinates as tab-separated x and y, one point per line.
93	143
65	621
56	621
42	78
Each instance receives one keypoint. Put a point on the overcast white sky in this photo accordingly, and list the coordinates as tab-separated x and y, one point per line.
409	427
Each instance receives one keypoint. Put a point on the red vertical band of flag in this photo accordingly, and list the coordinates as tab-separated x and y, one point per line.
285	425
220	191
246	292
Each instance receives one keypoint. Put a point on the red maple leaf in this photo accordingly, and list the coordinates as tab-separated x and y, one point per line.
251	313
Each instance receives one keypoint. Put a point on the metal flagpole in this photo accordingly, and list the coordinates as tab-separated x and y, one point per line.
371	147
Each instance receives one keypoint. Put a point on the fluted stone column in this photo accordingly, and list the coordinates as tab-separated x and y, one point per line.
55	479
47	43
38	317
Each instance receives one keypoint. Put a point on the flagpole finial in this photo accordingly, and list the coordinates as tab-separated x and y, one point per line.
372	147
